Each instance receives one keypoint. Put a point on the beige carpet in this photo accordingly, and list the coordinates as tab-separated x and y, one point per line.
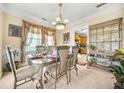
92	78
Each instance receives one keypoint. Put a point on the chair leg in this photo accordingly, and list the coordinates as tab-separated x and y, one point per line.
41	84
67	77
76	70
46	79
55	82
32	79
15	84
70	75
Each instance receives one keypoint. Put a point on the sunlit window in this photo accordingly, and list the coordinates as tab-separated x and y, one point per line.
33	40
50	41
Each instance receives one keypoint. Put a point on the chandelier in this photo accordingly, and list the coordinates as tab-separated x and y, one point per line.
59	23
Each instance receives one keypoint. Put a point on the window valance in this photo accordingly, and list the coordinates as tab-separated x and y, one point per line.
47	30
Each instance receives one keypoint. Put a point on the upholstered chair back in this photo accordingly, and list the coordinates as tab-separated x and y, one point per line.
51	49
40	49
63	52
75	50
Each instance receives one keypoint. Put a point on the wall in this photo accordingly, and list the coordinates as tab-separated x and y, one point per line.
94	20
60	37
110	16
15	42
1	30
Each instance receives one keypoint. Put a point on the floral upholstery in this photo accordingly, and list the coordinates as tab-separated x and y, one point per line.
22	73
61	66
25	72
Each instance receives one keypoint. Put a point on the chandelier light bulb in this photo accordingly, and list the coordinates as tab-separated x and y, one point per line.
53	23
66	21
58	19
59	23
60	27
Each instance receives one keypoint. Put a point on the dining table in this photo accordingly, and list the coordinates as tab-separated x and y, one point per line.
44	61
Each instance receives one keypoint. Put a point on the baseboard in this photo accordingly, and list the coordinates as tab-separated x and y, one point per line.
102	67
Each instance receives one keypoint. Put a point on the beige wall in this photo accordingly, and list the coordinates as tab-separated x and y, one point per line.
108	16
1	30
112	15
15	42
60	37
94	20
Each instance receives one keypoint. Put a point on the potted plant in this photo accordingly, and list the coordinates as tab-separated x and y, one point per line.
118	70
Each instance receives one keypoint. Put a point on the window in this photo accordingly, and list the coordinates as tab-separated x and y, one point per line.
33	40
50	40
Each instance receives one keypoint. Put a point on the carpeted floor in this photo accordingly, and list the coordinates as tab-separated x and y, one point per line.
92	78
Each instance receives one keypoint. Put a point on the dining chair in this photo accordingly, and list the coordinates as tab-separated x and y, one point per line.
26	73
59	69
40	49
73	61
51	49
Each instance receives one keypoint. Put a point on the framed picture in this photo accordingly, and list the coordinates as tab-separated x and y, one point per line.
66	37
14	30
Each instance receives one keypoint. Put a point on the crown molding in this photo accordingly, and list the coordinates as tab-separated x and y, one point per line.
83	22
24	16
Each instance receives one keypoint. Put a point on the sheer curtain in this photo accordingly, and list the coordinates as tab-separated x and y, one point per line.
34	39
25	32
50	40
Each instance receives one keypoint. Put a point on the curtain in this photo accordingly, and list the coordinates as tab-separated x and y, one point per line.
46	37
29	41
33	39
44	32
49	34
51	39
25	32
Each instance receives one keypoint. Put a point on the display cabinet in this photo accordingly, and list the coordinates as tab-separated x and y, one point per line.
106	37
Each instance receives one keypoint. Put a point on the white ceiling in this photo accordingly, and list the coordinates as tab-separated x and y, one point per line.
71	11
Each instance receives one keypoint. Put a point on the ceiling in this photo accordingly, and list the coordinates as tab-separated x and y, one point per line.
49	11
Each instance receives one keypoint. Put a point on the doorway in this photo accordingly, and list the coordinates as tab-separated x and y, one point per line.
81	40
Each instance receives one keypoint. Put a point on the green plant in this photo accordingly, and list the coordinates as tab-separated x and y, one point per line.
92	58
118	70
93	47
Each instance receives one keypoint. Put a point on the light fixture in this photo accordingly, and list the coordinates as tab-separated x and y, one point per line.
59	23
